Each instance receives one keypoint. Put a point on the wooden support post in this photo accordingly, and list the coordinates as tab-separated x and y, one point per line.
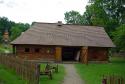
14	49
84	55
58	54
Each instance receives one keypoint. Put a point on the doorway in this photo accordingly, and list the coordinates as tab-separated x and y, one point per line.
70	53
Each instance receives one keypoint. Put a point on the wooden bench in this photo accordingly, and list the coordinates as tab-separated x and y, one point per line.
47	71
54	67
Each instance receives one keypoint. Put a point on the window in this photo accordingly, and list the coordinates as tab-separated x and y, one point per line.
37	50
27	50
50	51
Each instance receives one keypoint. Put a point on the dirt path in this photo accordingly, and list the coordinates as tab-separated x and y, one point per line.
71	75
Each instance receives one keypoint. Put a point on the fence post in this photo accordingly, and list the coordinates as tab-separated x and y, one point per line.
104	81
122	80
27	70
37	74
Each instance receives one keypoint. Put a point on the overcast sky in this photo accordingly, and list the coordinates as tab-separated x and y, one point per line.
39	10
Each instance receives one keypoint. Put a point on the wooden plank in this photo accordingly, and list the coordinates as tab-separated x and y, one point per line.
58	54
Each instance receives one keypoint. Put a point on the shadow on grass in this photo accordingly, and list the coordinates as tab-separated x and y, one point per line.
117	59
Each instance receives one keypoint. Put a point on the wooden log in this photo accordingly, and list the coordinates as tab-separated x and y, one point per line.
84	55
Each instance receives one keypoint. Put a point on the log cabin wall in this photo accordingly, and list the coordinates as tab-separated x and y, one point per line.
54	53
97	54
33	52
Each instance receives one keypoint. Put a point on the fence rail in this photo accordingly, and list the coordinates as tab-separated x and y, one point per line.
28	71
113	79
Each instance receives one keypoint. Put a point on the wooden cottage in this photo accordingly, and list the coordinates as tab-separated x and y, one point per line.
63	42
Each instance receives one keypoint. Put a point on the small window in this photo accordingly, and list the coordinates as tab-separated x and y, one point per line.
50	50
27	50
37	50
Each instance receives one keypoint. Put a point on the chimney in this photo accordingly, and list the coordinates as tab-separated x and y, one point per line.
59	23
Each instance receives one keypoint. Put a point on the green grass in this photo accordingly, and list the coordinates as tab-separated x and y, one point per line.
57	77
9	77
92	73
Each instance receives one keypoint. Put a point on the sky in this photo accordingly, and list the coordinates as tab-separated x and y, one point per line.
28	11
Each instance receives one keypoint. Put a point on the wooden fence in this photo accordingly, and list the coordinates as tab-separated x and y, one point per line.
28	71
113	79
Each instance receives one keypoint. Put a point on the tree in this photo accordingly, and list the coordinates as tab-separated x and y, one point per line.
106	13
95	15
109	14
73	17
115	9
17	29
119	37
5	24
14	29
23	26
15	32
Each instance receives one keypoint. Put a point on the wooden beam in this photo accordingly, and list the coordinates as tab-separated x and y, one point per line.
84	55
58	54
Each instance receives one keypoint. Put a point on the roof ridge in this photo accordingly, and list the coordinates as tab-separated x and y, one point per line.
70	24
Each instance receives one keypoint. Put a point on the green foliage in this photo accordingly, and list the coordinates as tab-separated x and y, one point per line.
0	36
109	14
119	37
95	15
15	32
14	29
17	29
92	73
5	24
113	9
73	17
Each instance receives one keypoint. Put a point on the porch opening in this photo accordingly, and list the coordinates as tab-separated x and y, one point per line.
70	53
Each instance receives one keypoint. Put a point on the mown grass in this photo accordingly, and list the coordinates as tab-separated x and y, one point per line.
92	73
57	77
9	77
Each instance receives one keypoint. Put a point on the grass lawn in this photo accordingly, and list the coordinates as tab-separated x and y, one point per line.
9	77
57	77
92	73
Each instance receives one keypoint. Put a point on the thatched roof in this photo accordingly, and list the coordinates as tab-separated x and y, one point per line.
64	35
